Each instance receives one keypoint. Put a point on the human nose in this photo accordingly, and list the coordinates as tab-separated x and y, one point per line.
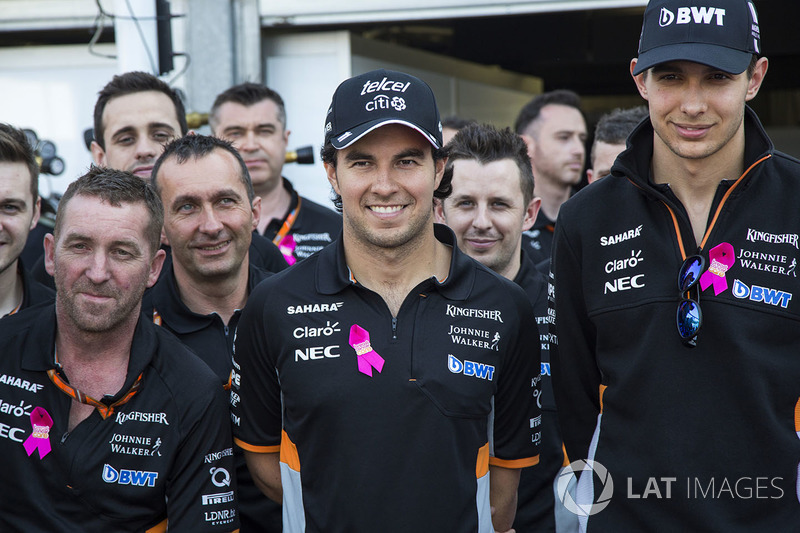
249	143
693	101
384	183
147	149
210	223
482	220
98	271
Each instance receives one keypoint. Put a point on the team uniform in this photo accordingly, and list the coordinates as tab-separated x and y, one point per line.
387	423
305	228
212	340
632	396
535	503
538	241
33	293
163	451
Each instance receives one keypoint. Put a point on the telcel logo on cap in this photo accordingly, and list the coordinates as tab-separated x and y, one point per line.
698	15
384	85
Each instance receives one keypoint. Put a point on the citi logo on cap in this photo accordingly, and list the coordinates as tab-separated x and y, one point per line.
698	15
384	85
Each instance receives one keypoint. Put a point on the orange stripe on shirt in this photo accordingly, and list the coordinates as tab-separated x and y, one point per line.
289	454
256	449
482	464
797	416
514	463
602	392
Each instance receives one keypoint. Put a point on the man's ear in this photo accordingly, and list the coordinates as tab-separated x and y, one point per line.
98	154
438	211
531	212
638	79
330	171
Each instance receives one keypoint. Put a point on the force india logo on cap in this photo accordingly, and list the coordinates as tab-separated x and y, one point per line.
698	15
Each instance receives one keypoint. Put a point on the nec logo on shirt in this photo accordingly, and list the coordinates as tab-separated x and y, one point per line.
698	15
470	368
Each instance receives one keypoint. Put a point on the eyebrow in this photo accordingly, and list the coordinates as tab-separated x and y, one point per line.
150	126
77	237
20	202
193	198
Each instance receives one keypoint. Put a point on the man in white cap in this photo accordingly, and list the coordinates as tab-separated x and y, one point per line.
691	416
391	371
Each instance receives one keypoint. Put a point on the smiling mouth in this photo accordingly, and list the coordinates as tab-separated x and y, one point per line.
386	209
214	247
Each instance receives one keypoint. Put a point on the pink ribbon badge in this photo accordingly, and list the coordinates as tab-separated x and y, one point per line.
40	437
367	357
722	259
287	246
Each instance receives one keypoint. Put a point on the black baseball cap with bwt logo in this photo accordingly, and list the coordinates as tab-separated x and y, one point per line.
722	34
369	101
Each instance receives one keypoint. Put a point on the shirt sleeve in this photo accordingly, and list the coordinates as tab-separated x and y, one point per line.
575	375
201	492
255	389
516	427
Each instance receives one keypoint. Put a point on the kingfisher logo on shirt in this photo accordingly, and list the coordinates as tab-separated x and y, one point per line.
470	368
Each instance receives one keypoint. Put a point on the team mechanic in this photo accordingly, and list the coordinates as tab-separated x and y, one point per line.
210	211
392	371
697	424
107	422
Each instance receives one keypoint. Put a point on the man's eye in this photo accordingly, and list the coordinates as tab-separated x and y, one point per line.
10	208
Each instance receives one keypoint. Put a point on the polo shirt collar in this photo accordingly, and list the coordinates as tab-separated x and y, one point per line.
333	275
167	302
39	354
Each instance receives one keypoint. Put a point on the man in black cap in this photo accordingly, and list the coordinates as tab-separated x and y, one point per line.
391	371
693	414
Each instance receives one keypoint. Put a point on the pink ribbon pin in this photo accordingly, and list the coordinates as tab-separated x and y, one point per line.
40	437
722	259
367	357
287	246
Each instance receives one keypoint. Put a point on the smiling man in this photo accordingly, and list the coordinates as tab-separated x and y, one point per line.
676	364
390	371
19	212
492	203
115	424
210	211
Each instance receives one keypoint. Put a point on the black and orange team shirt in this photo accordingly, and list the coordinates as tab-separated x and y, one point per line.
163	455
387	423
306	227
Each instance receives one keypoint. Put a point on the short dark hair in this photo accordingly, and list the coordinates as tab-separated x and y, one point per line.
533	109
615	126
130	83
116	187
15	148
456	123
328	155
197	146
485	144
247	94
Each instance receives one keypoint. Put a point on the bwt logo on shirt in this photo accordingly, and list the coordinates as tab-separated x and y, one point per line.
470	368
698	15
138	478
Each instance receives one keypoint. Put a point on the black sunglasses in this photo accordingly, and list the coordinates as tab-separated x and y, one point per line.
689	316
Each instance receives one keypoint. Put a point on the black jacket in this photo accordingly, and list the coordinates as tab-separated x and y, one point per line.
716	425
